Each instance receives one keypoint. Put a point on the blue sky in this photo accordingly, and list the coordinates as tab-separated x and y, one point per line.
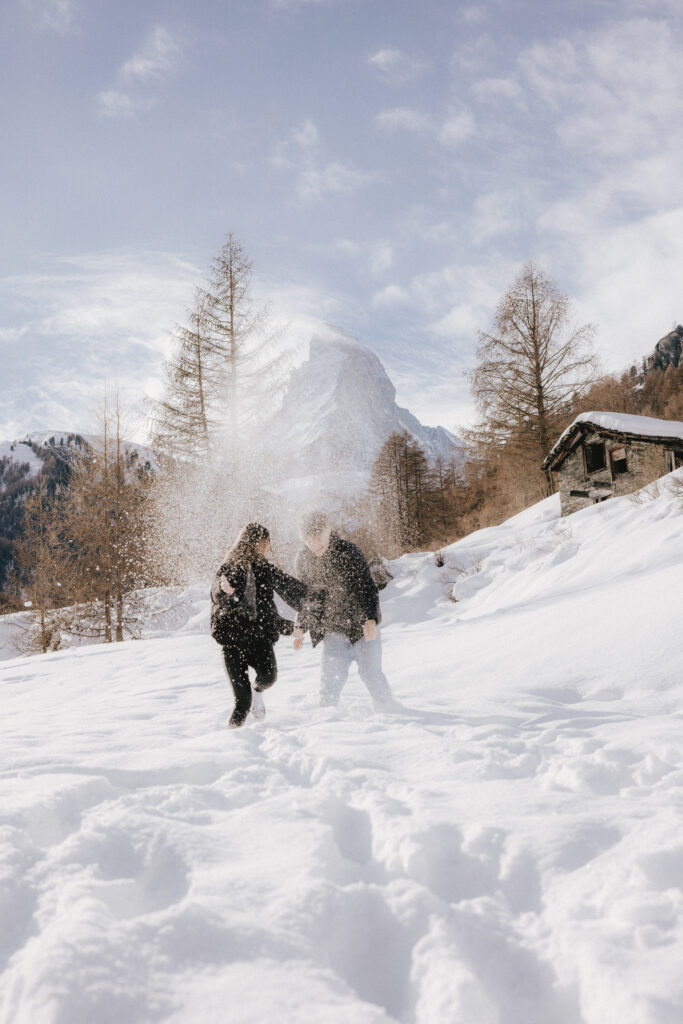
388	165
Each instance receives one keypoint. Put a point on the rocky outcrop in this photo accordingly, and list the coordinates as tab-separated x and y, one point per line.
667	351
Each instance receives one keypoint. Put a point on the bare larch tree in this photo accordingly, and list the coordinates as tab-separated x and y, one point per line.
39	559
529	366
398	490
211	357
105	524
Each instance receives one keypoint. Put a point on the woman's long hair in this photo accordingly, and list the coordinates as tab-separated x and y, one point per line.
244	550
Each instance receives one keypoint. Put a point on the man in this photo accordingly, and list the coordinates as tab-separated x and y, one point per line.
345	616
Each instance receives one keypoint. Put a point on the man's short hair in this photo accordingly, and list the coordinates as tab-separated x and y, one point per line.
314	524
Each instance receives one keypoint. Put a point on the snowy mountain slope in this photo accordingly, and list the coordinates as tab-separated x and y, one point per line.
22	451
507	851
338	410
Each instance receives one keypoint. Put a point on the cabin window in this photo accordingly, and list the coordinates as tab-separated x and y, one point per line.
675	460
617	457
578	494
595	456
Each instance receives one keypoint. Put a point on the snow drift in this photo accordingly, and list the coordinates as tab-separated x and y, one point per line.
506	851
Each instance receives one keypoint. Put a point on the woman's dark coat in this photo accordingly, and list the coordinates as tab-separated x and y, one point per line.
234	619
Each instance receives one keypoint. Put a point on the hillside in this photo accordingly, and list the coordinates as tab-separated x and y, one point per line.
48	454
505	851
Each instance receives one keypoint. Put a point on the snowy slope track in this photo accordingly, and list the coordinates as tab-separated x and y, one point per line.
508	850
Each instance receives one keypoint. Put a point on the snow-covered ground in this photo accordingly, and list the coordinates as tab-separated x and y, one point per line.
508	850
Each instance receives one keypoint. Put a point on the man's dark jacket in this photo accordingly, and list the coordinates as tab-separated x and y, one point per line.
235	620
349	596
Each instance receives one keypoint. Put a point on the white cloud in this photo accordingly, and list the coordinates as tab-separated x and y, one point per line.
458	127
335	177
626	286
381	258
391	296
301	145
458	299
598	163
551	70
614	96
420	222
451	303
496	89
158	56
616	92
474	14
394	66
497	213
52	15
474	55
316	176
113	103
347	247
82	322
307	136
404	119
154	60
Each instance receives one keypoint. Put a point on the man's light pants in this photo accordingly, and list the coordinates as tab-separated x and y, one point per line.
338	653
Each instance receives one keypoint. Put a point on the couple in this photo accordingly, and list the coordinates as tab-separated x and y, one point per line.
336	601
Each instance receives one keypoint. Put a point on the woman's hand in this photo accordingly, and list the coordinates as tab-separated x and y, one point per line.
226	588
298	641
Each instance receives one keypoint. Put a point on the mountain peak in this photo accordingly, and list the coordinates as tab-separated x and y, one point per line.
338	410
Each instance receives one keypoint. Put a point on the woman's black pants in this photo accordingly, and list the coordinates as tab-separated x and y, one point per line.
238	656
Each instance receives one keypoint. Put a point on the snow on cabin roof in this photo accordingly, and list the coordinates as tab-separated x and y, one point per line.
615	423
623	423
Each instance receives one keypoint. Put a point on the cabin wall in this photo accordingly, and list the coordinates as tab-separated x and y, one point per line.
646	461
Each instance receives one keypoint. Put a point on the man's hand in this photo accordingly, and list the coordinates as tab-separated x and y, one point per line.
298	641
226	588
370	630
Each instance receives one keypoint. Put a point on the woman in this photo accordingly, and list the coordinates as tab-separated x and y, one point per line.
245	621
